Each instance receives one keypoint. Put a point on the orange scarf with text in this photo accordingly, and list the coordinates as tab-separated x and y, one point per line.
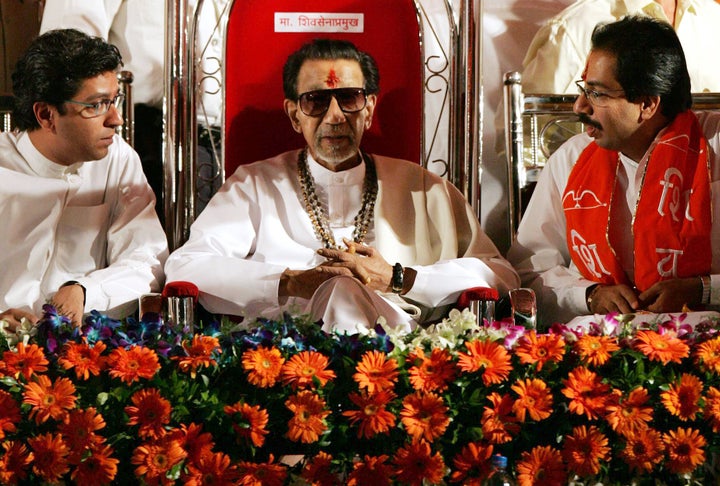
671	227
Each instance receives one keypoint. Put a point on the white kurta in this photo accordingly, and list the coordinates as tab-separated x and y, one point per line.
256	226
93	222
540	253
556	57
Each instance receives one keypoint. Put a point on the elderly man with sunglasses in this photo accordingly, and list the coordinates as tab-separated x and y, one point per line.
330	230
79	224
625	217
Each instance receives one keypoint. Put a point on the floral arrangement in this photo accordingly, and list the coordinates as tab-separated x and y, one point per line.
281	402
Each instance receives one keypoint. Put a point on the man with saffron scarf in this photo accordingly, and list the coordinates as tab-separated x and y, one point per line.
329	230
624	216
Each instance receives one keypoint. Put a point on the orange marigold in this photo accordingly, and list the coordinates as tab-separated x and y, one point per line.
97	467
372	414
211	468
78	431
262	474
707	355
712	408
249	422
488	356
154	460
196	443
431	373
9	413
306	369
424	416
596	350
371	471
49	456
263	366
542	465
375	372
498	425
472	465
585	449
14	462
588	395
198	354
86	360
665	347
150	411
129	365
318	471
684	449
416	463
534	397
643	450
49	399
26	361
683	399
308	420
629	414
540	349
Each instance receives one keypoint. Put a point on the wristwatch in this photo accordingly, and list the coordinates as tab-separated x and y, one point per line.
397	278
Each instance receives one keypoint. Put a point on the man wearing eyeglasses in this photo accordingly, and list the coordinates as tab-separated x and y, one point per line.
79	226
625	216
330	230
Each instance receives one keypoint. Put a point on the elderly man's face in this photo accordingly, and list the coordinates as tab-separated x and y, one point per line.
334	136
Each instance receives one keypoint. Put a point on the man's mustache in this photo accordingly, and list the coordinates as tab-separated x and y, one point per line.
588	121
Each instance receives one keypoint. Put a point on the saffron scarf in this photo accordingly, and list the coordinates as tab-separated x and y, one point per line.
672	221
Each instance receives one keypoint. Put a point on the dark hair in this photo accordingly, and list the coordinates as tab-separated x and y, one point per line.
649	61
327	49
53	69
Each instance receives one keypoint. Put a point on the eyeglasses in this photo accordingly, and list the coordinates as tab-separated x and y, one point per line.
316	103
596	98
98	108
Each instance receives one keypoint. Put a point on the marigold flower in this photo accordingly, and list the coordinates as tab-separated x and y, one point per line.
263	366
498	425
472	465
489	356
424	416
129	365
376	372
49	456
49	399
318	472
305	369
371	414
78	431
712	408
643	450
665	347
585	449
534	398
198	354
262	474
707	355
98	467
628	415
211	468
85	359
15	462
26	361
683	399
195	442
416	463
154	460
150	411
588	396
249	422
371	471
596	350
308	420
431	373
684	449
542	465
9	413
540	349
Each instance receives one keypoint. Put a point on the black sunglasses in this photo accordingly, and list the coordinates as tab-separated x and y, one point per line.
316	103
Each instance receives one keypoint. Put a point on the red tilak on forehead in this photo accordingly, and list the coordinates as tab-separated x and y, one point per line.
332	79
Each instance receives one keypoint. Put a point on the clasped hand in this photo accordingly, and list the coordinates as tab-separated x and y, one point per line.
666	296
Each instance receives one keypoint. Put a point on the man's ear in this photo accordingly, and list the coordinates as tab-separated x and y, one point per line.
649	106
44	114
291	110
370	110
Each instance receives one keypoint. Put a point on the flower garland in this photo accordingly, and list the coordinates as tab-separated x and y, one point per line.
136	401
